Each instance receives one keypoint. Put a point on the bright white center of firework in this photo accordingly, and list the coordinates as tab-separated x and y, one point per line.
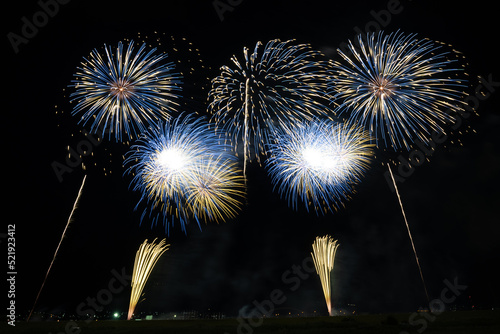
318	159
172	159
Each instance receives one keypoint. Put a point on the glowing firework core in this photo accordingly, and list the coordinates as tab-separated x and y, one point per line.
171	159
319	160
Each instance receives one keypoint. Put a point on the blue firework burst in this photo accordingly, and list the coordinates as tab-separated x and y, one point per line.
272	84
318	163
124	91
398	87
184	171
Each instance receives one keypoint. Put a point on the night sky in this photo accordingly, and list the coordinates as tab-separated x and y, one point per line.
451	201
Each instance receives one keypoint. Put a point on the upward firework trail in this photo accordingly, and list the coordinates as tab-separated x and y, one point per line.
59	245
145	260
324	250
409	233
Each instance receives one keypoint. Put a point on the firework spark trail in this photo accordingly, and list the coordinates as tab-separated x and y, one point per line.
245	135
145	259
59	245
409	233
323	254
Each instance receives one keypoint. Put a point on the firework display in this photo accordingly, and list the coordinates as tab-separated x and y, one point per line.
186	171
313	123
398	87
145	260
270	85
124	91
323	254
318	162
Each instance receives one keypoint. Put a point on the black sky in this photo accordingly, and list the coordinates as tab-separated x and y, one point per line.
451	201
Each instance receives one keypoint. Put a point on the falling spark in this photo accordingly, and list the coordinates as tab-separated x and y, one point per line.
59	245
145	259
323	254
